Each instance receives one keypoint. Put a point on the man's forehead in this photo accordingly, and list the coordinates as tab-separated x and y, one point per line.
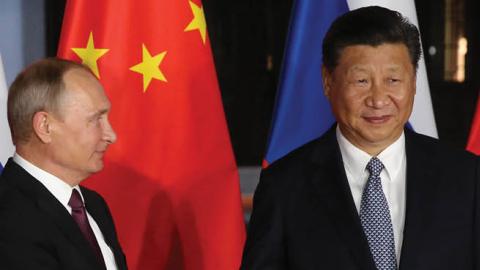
362	46
369	53
82	86
77	74
81	80
392	67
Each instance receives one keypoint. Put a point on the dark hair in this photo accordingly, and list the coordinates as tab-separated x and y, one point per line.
370	26
37	88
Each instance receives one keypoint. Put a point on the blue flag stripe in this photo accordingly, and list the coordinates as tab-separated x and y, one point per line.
302	112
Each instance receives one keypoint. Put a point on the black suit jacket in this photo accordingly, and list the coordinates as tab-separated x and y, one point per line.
304	216
37	232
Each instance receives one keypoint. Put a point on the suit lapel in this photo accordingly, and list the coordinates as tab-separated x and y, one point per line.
333	192
67	226
96	208
48	204
419	169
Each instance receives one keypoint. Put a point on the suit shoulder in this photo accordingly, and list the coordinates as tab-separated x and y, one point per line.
291	171
314	149
291	164
12	198
296	155
438	150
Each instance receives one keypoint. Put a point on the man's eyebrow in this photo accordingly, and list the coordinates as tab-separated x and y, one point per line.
98	113
360	68
394	68
104	111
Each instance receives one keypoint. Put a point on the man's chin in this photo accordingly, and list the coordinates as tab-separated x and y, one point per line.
382	136
97	167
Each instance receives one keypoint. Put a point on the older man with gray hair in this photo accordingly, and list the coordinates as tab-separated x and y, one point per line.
58	116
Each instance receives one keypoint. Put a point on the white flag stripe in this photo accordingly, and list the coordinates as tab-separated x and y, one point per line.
6	146
422	118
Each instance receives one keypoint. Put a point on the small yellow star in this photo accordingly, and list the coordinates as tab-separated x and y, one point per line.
149	67
198	21
90	55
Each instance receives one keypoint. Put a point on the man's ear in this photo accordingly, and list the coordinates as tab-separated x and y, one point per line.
41	126
327	81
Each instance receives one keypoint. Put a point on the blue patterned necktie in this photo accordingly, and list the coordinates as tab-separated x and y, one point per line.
376	221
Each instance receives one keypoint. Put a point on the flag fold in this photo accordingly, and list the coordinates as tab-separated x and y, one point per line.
170	179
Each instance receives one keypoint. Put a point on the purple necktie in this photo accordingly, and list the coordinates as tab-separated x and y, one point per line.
80	216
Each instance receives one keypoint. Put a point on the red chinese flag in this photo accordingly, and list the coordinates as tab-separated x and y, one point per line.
473	144
170	179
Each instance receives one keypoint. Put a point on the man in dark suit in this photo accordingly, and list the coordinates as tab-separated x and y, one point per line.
58	116
368	194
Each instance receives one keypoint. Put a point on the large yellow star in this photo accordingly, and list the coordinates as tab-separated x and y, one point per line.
149	67
90	55
198	21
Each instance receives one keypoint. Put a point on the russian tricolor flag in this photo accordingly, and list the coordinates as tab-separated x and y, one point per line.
6	146
302	112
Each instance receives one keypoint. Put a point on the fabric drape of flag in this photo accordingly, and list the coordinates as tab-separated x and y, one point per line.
473	144
302	112
170	179
6	146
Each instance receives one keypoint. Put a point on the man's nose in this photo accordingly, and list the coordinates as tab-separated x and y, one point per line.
109	134
378	96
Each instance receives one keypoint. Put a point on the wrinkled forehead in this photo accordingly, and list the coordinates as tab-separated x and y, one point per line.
82	86
392	56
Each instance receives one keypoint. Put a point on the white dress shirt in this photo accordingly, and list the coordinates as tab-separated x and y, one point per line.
393	179
62	191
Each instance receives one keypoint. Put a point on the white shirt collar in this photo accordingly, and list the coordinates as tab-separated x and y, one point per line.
60	189
355	160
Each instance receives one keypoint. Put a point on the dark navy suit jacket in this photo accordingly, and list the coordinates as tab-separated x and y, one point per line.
304	216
